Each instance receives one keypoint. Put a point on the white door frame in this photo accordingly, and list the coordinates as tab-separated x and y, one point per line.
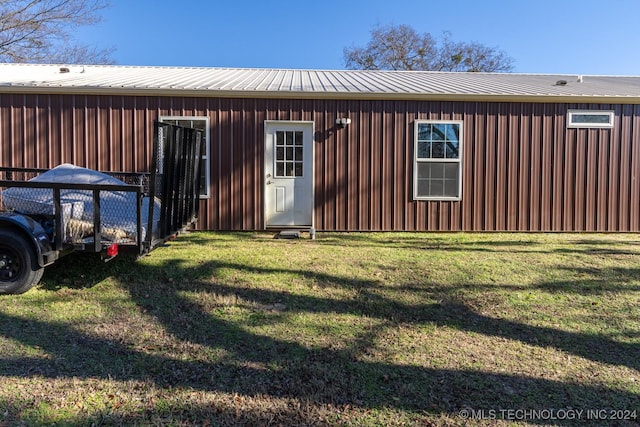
309	126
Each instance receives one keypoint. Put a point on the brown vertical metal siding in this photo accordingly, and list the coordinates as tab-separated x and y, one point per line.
523	170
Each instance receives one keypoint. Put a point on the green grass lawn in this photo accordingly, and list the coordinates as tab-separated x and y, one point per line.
348	329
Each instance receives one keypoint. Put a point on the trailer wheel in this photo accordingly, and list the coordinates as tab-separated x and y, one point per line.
19	270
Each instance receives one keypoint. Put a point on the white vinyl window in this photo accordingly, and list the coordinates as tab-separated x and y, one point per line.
589	119
201	123
438	160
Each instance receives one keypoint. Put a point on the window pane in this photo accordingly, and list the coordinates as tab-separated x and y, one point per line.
590	118
438	141
427	170
436	187
450	180
452	150
423	188
450	170
452	131
424	150
438	132
438	179
289	153
451	187
203	176
424	132
437	150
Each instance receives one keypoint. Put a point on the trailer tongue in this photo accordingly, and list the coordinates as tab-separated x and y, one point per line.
46	214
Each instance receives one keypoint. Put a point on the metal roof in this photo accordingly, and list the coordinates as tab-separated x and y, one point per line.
355	84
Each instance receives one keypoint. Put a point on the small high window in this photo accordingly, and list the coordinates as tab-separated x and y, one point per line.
437	160
589	119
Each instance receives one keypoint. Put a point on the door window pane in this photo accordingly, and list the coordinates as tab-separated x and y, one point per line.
289	153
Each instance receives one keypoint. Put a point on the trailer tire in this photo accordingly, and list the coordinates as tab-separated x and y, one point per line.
19	269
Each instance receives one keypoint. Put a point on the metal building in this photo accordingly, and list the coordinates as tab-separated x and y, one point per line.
351	150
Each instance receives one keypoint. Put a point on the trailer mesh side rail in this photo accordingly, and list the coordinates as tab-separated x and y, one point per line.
68	224
87	217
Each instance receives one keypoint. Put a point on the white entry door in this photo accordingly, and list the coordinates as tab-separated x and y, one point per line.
288	174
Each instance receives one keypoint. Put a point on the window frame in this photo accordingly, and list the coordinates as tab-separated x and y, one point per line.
417	161
582	125
206	156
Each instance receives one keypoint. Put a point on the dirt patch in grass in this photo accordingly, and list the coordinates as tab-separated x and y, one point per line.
348	329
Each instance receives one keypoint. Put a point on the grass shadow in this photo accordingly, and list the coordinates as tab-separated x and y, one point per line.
255	365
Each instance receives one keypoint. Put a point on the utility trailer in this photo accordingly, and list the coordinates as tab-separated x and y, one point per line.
47	214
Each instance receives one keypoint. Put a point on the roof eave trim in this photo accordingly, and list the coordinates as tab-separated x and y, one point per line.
212	93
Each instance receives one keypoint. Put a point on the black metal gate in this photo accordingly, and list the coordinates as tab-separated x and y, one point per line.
175	183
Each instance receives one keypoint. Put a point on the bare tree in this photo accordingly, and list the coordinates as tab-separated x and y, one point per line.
40	31
402	48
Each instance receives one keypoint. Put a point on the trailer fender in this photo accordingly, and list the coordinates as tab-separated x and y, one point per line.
34	232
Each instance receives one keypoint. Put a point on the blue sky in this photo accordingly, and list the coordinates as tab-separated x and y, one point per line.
542	36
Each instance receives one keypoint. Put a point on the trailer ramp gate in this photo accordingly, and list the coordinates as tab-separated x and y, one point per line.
175	179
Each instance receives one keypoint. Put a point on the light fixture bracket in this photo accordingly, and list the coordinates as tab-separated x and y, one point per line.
342	122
